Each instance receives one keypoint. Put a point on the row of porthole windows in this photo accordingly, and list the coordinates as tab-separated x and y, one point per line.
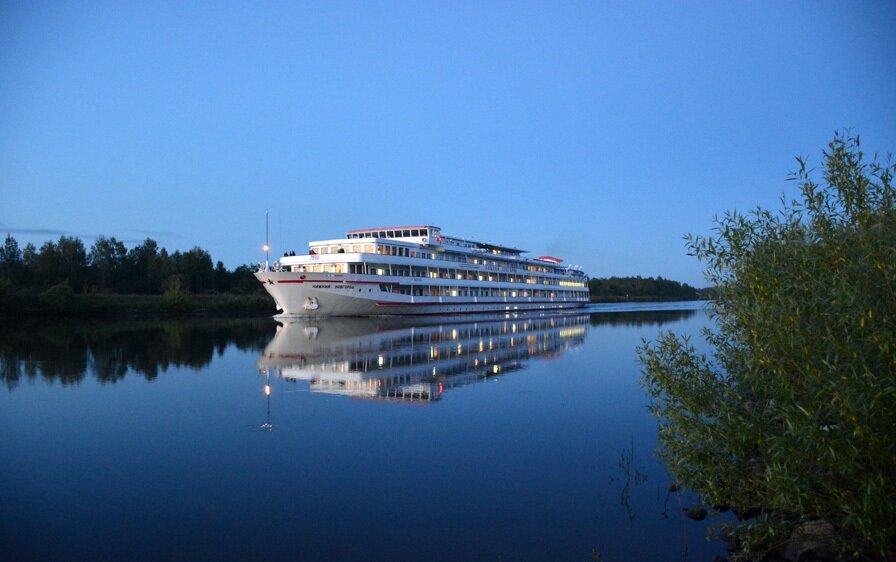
432	273
443	291
457	274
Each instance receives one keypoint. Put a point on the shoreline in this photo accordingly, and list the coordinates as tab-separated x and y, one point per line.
27	304
114	306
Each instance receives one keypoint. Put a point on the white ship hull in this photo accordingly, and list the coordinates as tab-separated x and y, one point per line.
314	295
414	271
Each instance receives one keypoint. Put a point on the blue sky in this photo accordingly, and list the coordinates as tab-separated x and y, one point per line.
600	132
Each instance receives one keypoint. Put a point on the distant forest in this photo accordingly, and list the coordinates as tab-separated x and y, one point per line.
626	289
109	267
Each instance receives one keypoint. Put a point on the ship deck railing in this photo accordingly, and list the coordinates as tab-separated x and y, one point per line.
521	269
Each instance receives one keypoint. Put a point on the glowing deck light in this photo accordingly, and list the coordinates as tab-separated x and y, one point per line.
267	390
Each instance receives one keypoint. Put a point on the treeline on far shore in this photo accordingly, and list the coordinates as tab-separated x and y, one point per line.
66	277
643	289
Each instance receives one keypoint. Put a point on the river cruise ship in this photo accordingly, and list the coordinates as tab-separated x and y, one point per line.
417	270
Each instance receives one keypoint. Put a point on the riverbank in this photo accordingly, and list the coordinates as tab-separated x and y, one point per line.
646	298
62	303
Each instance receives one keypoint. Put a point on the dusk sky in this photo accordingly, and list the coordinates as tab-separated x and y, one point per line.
599	132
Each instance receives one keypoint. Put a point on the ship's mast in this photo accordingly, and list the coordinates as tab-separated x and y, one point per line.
267	247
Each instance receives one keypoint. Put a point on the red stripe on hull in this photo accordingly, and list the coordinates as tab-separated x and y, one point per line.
328	281
467	303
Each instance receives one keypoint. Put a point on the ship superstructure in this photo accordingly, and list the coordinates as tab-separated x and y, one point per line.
418	270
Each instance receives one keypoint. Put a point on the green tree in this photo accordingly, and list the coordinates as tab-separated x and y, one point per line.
222	278
174	298
29	255
107	260
62	262
73	258
145	272
196	266
794	410
244	280
11	259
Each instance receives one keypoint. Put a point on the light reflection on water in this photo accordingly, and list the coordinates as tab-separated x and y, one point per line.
530	440
403	360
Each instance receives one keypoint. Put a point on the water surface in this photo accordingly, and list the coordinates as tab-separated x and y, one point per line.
463	438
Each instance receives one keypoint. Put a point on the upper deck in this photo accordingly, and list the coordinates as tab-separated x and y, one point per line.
420	245
431	236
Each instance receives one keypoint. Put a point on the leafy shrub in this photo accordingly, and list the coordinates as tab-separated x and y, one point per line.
794	413
58	298
174	299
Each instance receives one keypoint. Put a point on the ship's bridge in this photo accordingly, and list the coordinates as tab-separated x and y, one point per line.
418	234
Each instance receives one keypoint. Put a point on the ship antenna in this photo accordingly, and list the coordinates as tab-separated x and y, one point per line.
267	247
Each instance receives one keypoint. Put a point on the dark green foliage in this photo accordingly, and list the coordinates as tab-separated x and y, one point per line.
795	410
195	267
5	292
145	268
108	261
25	302
31	279
11	260
640	288
59	297
61	262
174	299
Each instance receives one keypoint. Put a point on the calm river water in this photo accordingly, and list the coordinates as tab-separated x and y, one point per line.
465	438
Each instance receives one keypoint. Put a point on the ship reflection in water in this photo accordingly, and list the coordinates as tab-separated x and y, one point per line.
413	359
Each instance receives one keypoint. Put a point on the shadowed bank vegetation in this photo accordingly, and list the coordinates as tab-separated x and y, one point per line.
642	289
791	420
